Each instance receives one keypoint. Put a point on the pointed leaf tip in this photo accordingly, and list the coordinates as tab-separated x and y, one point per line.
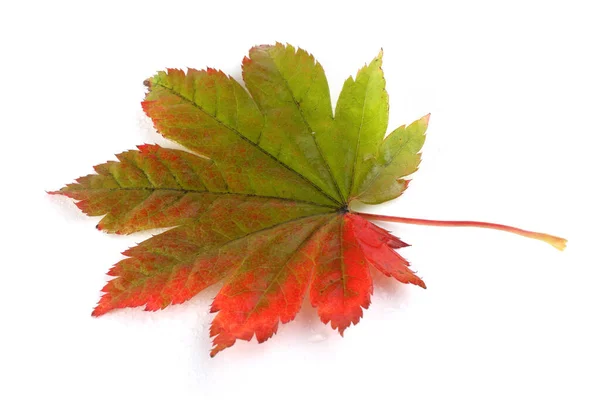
426	118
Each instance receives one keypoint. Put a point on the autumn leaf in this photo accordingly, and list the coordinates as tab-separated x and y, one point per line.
262	199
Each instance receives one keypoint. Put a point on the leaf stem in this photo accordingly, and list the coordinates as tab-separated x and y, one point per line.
555	241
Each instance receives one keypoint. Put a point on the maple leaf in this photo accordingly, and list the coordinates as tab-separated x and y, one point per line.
262	198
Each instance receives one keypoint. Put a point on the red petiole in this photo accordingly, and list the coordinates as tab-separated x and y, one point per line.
555	241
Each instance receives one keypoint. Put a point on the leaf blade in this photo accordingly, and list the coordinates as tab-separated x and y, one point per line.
377	247
341	286
174	266
291	90
154	187
267	288
182	112
360	123
398	157
262	198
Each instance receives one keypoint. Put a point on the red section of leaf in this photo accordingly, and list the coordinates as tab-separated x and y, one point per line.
331	254
268	287
376	245
172	267
341	285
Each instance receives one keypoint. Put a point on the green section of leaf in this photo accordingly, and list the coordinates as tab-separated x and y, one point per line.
213	115
398	157
154	188
291	90
361	118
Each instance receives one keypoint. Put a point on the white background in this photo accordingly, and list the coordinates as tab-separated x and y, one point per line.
513	89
